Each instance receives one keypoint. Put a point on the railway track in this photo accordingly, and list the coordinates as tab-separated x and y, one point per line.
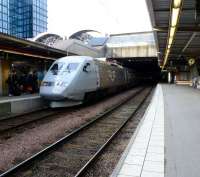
74	153
20	120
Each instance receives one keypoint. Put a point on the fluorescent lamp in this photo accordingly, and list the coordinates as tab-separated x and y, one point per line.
166	56
167	53
170	41
172	31
174	21
177	3
175	13
165	61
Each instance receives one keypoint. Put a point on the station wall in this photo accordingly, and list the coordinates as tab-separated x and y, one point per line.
183	76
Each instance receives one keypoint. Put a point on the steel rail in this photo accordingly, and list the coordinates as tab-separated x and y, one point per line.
8	117
98	153
61	141
28	121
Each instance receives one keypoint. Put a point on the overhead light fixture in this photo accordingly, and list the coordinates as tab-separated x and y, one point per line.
175	14
177	3
170	41
175	11
155	29
172	31
168	50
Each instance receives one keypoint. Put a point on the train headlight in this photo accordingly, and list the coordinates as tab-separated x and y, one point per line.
45	83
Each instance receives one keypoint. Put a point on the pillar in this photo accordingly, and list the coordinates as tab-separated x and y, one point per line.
1	79
5	67
193	71
169	77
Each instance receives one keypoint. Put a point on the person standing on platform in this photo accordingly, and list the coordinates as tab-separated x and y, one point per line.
40	76
22	83
35	82
10	85
30	82
15	84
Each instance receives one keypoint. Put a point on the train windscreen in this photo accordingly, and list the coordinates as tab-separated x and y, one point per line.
56	68
71	67
59	68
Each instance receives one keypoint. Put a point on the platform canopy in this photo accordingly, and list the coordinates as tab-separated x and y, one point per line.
176	25
134	50
131	45
22	47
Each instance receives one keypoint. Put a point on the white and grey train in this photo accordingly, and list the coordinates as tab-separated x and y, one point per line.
70	80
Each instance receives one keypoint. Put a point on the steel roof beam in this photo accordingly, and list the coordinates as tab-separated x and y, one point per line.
29	43
168	9
180	29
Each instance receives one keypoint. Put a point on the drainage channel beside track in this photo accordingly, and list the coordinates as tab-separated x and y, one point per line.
73	154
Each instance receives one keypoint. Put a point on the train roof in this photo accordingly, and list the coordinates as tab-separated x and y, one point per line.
83	58
75	58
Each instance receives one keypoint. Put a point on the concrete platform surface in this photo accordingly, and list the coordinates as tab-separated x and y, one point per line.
144	156
5	99
167	142
20	104
182	131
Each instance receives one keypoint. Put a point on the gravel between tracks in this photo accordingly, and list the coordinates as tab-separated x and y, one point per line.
24	144
105	164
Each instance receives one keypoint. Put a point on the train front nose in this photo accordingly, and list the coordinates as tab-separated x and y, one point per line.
54	92
51	93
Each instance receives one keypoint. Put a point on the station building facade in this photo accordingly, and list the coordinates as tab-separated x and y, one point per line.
23	18
4	16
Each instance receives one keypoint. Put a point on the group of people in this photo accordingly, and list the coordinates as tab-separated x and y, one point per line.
22	83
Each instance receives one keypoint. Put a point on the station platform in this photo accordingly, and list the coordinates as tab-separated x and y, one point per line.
16	105
166	143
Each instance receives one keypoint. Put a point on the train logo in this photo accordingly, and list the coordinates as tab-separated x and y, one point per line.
111	75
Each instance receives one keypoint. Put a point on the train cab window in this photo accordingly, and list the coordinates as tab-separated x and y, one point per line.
71	67
56	68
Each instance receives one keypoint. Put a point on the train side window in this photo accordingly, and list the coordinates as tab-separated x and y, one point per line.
87	67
